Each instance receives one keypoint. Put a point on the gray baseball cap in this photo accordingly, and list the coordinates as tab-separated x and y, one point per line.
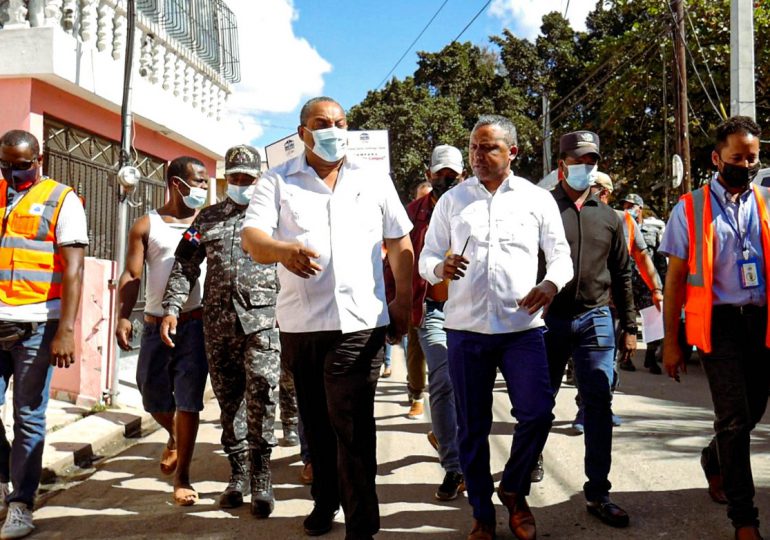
633	198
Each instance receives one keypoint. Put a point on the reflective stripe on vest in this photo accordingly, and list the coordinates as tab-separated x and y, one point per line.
699	296
30	265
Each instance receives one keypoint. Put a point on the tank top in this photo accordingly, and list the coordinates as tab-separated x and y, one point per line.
161	245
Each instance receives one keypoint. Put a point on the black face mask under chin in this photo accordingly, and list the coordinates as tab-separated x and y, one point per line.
736	176
442	185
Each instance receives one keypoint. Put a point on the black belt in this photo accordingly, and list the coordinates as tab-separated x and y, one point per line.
748	310
434	304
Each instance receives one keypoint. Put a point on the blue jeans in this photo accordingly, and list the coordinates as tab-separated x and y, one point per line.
473	363
27	361
442	395
590	339
389	351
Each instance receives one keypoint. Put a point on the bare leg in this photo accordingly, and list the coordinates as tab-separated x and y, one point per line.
186	432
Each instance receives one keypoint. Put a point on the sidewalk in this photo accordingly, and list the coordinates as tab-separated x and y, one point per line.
77	436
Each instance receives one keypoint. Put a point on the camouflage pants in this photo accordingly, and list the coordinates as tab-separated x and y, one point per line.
288	399
245	370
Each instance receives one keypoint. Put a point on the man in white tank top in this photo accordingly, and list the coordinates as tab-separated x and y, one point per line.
171	380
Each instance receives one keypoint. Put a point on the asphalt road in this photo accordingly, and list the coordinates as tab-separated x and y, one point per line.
655	474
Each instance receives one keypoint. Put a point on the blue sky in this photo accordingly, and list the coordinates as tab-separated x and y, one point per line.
344	48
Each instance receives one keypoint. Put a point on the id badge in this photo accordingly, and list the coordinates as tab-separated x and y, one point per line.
749	274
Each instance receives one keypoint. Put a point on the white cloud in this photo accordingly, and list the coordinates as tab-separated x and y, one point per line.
525	16
278	69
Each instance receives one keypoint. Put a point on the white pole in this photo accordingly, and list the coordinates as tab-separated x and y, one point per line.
742	94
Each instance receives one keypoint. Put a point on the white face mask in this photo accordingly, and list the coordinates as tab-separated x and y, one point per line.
240	194
580	176
331	144
196	198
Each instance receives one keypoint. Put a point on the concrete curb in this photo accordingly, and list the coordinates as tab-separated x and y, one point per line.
79	444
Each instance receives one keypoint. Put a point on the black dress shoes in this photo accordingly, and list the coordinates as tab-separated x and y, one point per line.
609	512
319	521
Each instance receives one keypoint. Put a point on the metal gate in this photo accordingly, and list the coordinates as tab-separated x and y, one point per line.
88	164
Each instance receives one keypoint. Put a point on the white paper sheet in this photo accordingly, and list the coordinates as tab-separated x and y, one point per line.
652	323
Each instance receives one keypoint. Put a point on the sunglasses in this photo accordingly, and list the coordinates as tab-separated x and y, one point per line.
17	165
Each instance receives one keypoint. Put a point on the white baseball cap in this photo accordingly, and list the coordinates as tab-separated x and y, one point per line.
446	157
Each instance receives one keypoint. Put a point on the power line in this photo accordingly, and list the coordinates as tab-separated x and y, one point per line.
472	20
566	9
705	60
412	44
598	70
694	65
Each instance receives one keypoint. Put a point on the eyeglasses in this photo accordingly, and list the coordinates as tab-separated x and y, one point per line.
17	165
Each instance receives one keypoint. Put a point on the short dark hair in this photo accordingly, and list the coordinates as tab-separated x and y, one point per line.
18	137
735	124
305	112
180	167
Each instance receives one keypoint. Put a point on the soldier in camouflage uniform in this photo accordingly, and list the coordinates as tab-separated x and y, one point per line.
242	344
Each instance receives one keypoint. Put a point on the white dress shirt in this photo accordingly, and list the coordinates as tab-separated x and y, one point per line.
345	227
504	231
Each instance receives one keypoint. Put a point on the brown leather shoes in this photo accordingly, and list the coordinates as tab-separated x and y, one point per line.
482	531
521	521
747	533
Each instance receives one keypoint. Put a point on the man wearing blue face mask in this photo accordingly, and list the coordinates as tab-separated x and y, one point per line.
239	324
579	321
171	381
323	216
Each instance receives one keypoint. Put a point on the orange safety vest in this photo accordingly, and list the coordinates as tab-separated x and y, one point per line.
630	226
699	294
30	264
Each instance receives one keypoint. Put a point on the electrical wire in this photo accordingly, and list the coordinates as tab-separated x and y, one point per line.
384	80
479	12
705	60
692	61
599	69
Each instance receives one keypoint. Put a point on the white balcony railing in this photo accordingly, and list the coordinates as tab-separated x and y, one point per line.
101	24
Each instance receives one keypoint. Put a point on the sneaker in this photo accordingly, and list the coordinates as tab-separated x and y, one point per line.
4	491
452	485
417	410
306	474
655	369
18	524
617	421
433	440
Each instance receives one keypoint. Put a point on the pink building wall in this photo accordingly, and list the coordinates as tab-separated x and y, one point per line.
23	104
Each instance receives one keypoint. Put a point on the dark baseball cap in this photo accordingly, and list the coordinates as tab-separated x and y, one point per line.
243	159
579	143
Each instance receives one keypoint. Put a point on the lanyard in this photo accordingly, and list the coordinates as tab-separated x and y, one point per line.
743	240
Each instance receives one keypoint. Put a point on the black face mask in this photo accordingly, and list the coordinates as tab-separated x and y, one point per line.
441	185
736	176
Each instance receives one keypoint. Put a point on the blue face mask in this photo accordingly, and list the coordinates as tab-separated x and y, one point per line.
196	198
331	144
580	176
240	194
634	212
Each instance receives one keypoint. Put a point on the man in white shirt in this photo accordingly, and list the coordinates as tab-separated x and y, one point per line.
323	217
493	225
41	277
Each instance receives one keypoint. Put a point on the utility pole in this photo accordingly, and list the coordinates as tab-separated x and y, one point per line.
742	97
680	59
124	190
546	135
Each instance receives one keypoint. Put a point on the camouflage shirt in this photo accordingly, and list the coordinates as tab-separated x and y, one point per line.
234	282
